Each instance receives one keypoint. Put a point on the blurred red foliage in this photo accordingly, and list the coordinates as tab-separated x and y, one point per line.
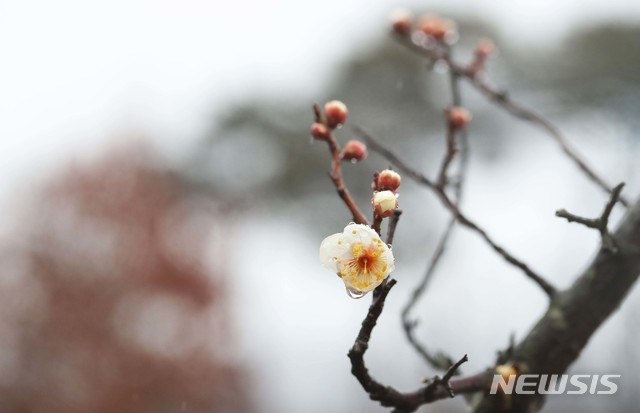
113	297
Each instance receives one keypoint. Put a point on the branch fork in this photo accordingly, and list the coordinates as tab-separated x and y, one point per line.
600	224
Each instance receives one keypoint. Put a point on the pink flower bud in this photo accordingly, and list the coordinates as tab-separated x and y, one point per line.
484	49
354	151
319	131
336	113
401	21
384	203
436	26
458	117
388	180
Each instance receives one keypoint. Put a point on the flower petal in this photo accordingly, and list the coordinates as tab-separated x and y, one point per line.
332	249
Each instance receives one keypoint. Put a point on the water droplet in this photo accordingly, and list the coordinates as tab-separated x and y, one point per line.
354	161
355	294
351	223
339	126
440	66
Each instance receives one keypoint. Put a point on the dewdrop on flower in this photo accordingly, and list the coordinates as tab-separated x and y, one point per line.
359	257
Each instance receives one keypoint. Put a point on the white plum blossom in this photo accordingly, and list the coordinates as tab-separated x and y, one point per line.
359	257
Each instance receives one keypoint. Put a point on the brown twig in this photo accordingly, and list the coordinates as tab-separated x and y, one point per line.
377	222
601	224
451	206
560	335
390	397
502	100
336	173
391	157
450	154
439	360
391	227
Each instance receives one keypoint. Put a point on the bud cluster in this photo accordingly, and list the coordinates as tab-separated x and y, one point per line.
441	29
385	199
334	115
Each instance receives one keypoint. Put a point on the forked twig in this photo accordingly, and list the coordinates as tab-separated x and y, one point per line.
388	396
601	224
336	173
504	101
451	206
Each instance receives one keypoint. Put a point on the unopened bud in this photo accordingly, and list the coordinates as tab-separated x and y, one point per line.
484	48
401	21
458	117
384	203
319	131
354	151
388	180
336	113
436	26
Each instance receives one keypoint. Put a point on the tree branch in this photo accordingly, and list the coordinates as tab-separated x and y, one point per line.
516	109
439	360
336	173
601	224
557	339
390	397
456	212
391	228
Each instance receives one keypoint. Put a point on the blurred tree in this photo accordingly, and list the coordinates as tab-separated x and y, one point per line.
110	303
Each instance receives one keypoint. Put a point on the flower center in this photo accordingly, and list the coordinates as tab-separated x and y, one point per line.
363	261
366	259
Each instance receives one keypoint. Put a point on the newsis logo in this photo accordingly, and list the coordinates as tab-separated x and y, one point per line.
555	384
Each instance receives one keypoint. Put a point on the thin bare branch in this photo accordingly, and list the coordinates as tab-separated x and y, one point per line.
391	157
601	224
391	227
336	173
450	154
439	360
451	206
390	397
504	101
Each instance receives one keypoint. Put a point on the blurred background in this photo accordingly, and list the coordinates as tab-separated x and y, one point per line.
162	205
